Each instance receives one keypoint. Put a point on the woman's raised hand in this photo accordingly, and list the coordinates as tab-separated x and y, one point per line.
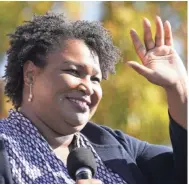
161	64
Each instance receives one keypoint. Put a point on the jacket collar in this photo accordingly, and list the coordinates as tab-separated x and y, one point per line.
109	149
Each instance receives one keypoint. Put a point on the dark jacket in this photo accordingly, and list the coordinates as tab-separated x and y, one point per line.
134	160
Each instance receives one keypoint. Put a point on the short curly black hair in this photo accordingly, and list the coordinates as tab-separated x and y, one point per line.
36	38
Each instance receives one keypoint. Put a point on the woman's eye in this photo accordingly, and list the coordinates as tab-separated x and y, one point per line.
72	71
96	79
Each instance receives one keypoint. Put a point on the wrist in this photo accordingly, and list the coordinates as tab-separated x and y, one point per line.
178	90
177	103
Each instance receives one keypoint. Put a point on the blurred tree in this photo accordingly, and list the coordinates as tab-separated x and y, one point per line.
17	13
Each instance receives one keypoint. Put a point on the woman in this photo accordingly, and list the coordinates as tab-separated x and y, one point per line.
55	67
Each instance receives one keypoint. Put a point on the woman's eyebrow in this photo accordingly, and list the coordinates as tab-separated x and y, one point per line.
70	62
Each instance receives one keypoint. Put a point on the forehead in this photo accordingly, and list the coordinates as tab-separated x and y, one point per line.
78	52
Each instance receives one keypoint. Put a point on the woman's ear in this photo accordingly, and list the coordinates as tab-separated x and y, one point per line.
29	72
30	77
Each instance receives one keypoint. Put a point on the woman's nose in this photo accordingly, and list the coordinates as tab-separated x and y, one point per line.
86	87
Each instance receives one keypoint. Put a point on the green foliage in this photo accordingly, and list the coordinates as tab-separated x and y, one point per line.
13	13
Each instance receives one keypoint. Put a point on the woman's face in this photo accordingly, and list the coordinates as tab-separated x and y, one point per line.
67	91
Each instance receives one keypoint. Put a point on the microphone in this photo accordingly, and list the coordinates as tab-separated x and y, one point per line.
81	164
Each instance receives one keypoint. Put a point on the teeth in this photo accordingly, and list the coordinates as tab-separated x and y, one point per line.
79	102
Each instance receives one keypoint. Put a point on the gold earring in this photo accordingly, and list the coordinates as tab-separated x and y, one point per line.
30	95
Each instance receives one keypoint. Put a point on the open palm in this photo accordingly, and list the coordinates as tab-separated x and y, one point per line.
161	64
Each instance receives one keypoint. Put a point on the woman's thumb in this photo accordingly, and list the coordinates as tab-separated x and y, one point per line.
141	69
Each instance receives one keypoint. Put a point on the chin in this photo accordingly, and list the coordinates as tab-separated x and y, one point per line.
77	120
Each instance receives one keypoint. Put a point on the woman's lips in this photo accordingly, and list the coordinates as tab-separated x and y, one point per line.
79	104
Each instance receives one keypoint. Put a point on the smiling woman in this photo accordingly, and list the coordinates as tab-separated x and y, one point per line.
71	88
53	77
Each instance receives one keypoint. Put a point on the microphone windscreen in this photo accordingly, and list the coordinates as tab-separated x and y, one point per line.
79	158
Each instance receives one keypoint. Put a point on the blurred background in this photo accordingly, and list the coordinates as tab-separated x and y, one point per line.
130	102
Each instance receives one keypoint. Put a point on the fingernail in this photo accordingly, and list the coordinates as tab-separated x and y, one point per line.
147	22
132	31
129	63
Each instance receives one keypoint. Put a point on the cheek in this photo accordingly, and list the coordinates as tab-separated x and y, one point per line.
96	98
42	92
67	82
99	94
59	83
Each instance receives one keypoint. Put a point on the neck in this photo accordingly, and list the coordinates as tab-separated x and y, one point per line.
54	139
